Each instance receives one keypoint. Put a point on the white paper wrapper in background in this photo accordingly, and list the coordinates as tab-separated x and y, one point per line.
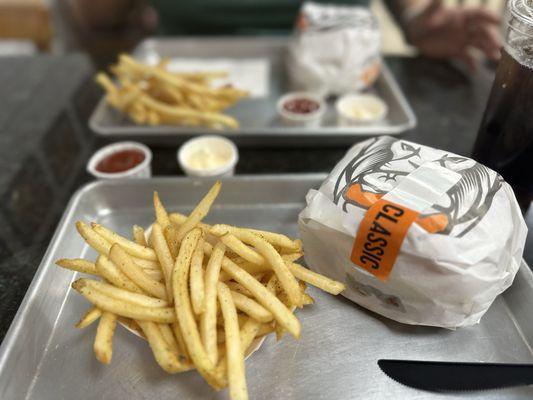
335	49
462	250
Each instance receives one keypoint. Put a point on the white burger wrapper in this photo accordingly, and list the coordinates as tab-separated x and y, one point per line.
462	251
334	50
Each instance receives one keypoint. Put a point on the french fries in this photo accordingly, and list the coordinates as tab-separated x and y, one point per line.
200	295
152	95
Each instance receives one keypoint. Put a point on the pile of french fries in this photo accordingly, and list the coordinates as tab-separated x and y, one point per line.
153	95
200	294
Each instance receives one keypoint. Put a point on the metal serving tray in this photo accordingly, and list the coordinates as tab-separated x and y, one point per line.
44	357
257	116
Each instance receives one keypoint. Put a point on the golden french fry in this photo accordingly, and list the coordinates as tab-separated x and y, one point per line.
89	317
139	236
123	261
121	294
286	278
161	215
171	236
197	279
146	264
181	342
111	273
237	287
234	350
163	255
265	329
208	320
315	279
251	307
130	247
238	247
184	312
200	211
93	239
103	341
165	315
168	335
164	357
292	257
308	300
178	219
78	264
154	274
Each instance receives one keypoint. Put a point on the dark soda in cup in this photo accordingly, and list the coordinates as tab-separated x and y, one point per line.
505	137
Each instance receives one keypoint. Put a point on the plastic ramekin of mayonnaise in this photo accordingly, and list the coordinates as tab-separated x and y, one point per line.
360	109
208	156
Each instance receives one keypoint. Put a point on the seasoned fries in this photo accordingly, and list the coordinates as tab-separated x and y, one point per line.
200	295
152	95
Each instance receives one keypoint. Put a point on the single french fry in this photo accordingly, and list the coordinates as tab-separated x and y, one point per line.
124	262
161	215
238	247
139	236
89	317
234	350
78	264
163	255
251	307
154	274
165	315
121	294
292	257
197	278
208	320
200	211
168	335
168	361
238	288
181	342
178	220
315	279
103	341
130	247
146	264
171	236
184	312
92	238
286	278
111	273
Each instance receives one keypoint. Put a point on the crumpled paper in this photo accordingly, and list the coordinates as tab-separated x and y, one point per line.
464	249
334	49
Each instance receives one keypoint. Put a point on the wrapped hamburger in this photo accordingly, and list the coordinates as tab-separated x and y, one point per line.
335	49
419	235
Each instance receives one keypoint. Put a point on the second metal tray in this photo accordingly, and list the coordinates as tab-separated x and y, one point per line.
257	116
43	357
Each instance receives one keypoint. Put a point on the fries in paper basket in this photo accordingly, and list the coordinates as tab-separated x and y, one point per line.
153	95
199	294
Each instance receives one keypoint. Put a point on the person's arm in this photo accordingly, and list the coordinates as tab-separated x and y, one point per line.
104	14
448	32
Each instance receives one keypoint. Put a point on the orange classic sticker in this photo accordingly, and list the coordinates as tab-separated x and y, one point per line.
380	236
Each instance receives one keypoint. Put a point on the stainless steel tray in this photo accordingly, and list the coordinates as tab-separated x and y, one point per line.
44	357
259	122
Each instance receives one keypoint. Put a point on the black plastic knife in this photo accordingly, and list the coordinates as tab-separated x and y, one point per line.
439	376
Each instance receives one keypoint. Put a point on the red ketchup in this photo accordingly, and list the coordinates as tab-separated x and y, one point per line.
301	106
120	161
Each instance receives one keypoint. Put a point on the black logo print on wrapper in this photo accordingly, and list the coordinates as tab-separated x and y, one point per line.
383	162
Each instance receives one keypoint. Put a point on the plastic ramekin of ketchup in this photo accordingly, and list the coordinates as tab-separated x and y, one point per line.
301	109
121	160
